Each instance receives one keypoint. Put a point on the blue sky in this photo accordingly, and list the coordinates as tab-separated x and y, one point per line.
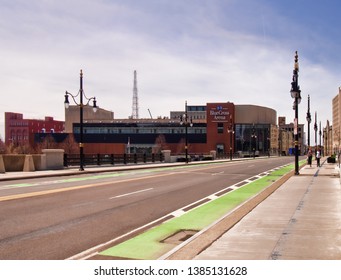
201	51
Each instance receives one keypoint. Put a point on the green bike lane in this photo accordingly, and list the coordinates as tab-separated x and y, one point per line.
152	244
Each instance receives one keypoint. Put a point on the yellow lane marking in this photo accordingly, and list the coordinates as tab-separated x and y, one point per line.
40	193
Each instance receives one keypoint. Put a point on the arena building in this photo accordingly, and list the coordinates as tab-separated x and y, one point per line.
223	127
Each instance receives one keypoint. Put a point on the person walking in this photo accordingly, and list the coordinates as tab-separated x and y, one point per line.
318	157
310	156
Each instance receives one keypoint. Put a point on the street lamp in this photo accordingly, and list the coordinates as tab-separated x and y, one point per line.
269	142
309	121
296	94
254	140
231	132
315	128
320	134
186	122
80	104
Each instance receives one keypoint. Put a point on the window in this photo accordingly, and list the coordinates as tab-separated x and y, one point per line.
220	128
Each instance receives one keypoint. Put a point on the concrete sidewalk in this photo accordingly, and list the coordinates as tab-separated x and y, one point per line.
301	220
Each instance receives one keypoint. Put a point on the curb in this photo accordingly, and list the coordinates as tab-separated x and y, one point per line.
93	170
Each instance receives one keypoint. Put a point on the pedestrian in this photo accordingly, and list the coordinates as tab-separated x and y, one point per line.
318	157
310	157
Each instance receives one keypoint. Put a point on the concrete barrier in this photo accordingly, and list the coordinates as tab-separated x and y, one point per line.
28	164
39	162
213	154
35	162
13	163
2	165
54	158
167	155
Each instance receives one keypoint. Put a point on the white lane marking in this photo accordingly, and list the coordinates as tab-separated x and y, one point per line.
126	194
218	173
178	213
212	197
96	249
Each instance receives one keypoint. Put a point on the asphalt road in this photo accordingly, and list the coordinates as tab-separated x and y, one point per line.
57	218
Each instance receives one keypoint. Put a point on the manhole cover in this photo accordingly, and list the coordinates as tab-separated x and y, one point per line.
179	237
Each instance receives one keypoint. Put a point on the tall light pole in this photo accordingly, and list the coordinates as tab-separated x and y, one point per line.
309	121
184	120
320	134
254	140
296	95
80	104
315	128
230	130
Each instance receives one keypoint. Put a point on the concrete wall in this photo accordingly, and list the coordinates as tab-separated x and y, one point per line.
72	116
51	159
54	158
13	162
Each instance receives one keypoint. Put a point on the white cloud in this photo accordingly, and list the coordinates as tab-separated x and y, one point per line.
203	53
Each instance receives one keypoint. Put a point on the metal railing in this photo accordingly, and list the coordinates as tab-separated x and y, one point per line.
111	159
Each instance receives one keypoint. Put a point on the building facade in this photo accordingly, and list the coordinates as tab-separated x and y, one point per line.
222	127
336	105
72	116
328	139
286	137
20	131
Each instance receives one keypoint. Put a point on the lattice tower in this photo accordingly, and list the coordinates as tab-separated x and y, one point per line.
135	109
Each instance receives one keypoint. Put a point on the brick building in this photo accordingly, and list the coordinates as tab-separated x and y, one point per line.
221	126
20	131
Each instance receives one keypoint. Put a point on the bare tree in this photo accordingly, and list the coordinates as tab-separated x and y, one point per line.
70	145
47	143
160	144
181	146
2	147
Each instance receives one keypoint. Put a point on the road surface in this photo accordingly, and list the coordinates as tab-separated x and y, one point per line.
56	218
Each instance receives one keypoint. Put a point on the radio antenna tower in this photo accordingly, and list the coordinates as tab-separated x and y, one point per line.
135	113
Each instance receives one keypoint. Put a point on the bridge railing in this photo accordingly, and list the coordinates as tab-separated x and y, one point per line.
111	159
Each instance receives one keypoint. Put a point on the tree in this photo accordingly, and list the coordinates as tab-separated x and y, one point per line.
160	144
181	146
69	145
2	147
47	143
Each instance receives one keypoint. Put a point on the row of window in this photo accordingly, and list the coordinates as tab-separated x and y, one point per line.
141	130
196	108
18	138
19	124
25	124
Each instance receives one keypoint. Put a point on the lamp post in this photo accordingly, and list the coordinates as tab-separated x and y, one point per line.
315	128
186	122
296	95
80	104
269	142
254	140
320	134
231	132
309	121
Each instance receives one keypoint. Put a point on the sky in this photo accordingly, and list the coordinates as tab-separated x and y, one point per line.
239	51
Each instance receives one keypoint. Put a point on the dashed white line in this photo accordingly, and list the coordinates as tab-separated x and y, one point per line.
178	213
131	193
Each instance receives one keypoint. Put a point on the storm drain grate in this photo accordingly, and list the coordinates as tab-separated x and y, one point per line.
179	237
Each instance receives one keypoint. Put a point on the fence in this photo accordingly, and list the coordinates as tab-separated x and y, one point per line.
111	159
